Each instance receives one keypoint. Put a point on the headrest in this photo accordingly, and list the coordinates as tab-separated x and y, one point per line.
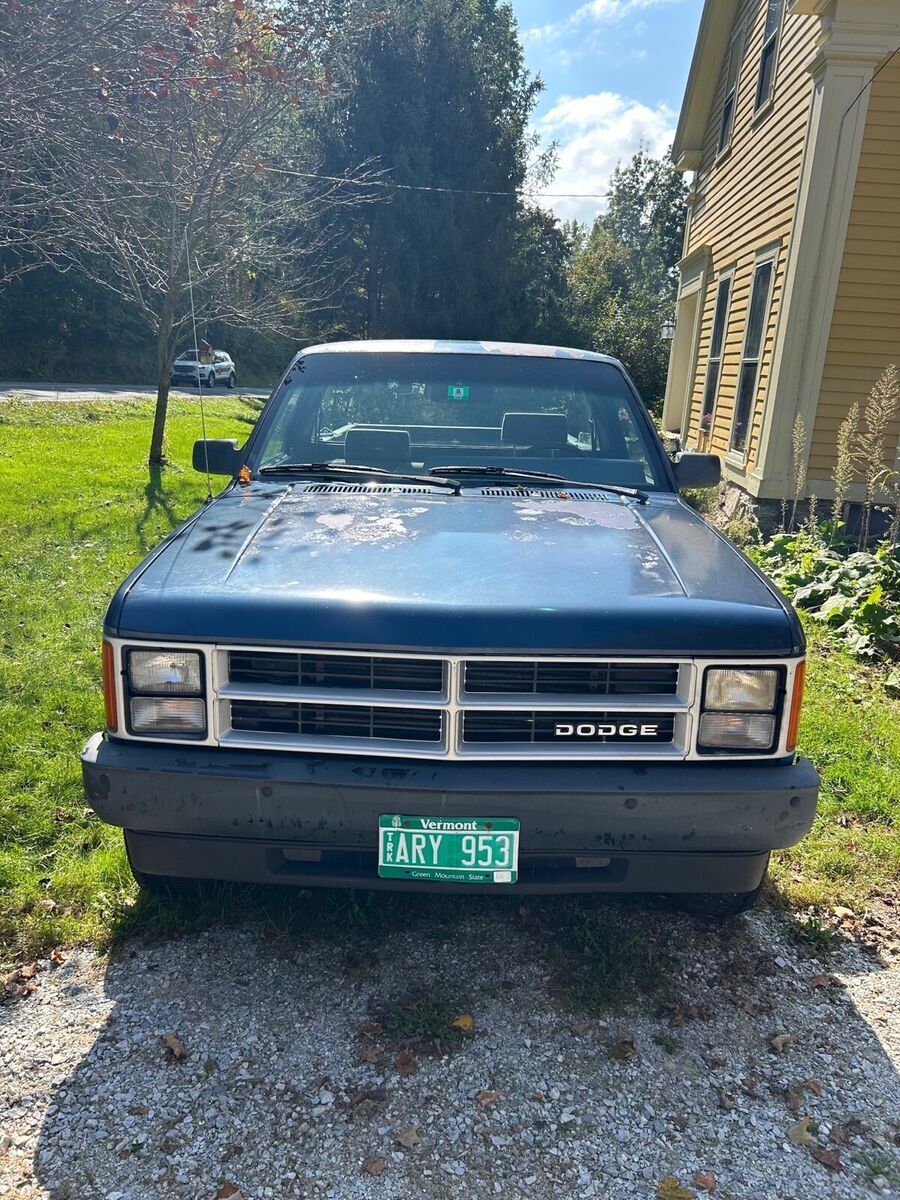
376	447
534	429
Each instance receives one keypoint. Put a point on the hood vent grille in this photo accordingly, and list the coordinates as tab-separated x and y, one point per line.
525	492
365	489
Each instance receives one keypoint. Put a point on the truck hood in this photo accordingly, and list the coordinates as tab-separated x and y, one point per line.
435	572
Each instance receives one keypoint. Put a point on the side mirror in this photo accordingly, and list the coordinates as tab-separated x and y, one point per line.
698	470
219	456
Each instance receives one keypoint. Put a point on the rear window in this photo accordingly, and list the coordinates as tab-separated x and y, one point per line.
417	411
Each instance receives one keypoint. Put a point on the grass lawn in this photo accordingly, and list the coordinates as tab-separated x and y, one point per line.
78	512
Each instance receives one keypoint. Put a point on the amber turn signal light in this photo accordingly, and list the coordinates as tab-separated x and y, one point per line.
109	688
796	705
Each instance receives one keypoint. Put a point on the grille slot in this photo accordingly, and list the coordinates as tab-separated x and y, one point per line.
367	489
526	492
337	721
336	671
539	728
572	678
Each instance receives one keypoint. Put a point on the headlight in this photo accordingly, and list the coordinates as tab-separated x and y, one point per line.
740	709
737	731
732	689
165	672
164	714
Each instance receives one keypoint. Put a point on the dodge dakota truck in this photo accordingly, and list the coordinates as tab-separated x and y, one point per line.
451	625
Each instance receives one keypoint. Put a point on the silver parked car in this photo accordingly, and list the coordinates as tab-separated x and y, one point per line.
212	370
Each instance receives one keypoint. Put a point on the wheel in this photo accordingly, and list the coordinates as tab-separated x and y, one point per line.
211	380
159	885
232	379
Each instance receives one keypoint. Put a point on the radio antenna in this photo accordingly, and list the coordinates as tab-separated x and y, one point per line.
187	255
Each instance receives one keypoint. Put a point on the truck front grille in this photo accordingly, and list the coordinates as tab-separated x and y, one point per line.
428	706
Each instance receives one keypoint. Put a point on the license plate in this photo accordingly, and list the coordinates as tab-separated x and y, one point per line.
448	849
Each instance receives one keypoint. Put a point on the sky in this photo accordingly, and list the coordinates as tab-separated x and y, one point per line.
614	74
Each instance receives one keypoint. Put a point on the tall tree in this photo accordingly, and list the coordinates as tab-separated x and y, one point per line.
170	165
623	277
441	99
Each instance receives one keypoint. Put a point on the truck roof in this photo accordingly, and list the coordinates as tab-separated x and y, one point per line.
439	346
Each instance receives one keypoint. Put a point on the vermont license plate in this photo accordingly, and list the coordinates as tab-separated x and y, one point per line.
448	849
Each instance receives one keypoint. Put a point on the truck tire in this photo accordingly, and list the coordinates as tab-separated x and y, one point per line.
159	885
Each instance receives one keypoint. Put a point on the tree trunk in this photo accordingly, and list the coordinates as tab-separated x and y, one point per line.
164	354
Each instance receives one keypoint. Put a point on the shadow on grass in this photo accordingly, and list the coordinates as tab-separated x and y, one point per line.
156	501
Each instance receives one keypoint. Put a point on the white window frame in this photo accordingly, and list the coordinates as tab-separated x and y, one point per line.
725	275
767	257
735	51
770	46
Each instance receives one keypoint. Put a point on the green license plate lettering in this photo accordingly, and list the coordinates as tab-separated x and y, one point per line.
448	849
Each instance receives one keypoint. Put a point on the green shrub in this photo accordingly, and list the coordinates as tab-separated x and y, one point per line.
855	594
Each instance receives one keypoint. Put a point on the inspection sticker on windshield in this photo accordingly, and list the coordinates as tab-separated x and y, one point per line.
448	849
457	391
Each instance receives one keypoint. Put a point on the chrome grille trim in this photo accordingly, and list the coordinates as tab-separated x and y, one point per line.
453	702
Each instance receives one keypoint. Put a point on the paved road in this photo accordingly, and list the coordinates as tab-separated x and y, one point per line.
87	391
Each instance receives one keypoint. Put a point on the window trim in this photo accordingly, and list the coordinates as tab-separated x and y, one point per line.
737	41
765	257
773	42
725	275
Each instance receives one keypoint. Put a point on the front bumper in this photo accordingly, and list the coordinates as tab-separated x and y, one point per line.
312	819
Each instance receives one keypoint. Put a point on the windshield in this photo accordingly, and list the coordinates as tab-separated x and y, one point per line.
412	412
188	356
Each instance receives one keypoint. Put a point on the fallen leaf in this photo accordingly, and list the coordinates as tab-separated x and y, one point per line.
487	1098
406	1063
581	1028
799	1135
792	1099
537	1096
370	1029
57	957
622	1050
706	1181
823	981
28	971
377	1095
748	1086
175	1047
465	1022
408	1137
843	914
374	1165
849	1130
228	1191
780	1040
811	1085
47	903
712	1061
725	1101
752	1009
670	1189
828	1158
370	1054
138	1110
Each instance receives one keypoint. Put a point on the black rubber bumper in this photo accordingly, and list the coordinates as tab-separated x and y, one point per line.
304	819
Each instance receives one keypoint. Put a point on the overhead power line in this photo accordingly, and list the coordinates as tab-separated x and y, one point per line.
421	187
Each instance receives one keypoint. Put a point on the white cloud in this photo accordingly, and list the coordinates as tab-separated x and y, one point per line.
598	12
595	133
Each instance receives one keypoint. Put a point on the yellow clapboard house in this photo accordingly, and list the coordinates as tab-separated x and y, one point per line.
789	288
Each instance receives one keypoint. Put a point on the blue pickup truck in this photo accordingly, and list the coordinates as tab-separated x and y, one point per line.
450	625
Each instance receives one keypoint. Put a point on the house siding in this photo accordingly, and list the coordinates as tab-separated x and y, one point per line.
865	328
744	203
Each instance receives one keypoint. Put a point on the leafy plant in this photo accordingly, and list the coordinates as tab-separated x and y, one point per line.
855	595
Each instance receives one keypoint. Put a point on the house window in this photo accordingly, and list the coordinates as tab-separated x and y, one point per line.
766	80
731	81
760	298
716	345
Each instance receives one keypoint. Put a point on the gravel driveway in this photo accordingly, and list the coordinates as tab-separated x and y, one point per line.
283	1074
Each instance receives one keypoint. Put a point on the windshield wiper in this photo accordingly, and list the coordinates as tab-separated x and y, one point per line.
547	477
355	469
